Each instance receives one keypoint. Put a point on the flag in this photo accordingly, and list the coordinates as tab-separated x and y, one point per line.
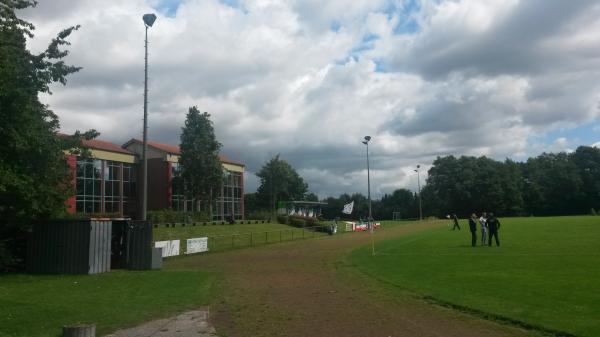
348	208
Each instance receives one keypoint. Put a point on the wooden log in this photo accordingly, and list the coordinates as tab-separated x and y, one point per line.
80	330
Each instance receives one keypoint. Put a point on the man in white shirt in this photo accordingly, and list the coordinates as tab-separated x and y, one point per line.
482	221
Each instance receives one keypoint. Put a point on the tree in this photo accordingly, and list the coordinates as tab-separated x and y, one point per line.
587	160
554	185
34	177
279	181
401	200
201	169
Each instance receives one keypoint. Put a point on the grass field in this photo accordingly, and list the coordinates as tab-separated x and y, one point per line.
545	274
35	306
223	237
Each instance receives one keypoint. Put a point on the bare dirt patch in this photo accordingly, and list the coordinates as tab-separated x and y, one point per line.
305	288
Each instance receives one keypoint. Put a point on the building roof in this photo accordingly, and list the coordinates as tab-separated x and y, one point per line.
173	149
307	203
106	146
101	145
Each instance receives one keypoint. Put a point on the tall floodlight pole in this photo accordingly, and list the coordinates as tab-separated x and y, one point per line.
419	186
148	22
366	142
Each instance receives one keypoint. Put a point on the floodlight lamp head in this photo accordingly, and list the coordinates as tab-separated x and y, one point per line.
149	19
418	166
367	138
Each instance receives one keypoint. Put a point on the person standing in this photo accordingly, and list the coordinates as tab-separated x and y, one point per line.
482	221
493	227
473	228
455	218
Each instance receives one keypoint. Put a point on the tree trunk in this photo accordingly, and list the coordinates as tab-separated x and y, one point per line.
82	330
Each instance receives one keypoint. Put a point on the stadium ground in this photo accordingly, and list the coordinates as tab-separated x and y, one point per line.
307	288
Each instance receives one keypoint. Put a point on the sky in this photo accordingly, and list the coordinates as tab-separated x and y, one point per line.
309	79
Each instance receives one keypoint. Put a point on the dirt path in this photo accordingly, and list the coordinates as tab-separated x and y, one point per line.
304	288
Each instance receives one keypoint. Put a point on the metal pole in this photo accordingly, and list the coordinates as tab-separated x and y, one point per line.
369	196
419	185
369	184
145	137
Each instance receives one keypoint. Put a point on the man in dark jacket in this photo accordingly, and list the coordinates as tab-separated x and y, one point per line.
455	218
493	227
473	228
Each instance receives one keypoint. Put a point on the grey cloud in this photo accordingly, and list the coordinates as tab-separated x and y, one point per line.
512	45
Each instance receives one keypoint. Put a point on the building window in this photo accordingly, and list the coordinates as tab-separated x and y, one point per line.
112	186
177	195
129	188
98	185
88	183
229	202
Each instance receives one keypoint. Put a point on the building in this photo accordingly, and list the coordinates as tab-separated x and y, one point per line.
107	182
165	190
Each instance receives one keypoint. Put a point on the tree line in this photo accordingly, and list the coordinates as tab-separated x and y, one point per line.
549	184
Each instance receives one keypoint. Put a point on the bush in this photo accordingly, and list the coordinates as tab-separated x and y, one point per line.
171	216
311	222
260	215
282	219
297	222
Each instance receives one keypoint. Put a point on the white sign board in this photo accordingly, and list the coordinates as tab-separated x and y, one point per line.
197	245
350	226
169	248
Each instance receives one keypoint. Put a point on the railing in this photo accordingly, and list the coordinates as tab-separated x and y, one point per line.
224	242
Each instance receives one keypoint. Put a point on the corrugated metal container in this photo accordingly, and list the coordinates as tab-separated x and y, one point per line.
70	247
139	245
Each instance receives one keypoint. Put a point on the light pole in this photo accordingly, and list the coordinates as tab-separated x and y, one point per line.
419	186
148	22
366	142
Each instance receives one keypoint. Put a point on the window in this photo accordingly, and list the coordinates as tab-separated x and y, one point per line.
230	199
177	195
98	185
88	198
112	186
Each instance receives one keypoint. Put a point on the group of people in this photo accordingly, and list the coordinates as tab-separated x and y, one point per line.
489	225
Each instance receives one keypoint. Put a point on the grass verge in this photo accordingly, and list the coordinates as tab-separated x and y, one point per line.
34	305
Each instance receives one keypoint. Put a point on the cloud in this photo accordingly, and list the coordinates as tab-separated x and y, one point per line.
309	80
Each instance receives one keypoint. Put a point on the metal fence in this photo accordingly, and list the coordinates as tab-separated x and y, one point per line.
241	240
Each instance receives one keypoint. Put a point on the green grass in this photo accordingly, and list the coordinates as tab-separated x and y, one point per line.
223	237
545	274
35	306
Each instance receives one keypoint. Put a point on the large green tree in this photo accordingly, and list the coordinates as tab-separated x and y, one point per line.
553	185
587	160
34	178
201	169
279	181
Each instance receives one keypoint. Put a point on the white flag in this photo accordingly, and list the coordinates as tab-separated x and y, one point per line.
348	208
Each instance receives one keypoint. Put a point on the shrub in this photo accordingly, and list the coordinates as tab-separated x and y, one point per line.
297	222
260	215
311	222
282	219
168	215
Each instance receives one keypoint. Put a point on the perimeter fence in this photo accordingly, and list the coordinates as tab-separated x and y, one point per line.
223	242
